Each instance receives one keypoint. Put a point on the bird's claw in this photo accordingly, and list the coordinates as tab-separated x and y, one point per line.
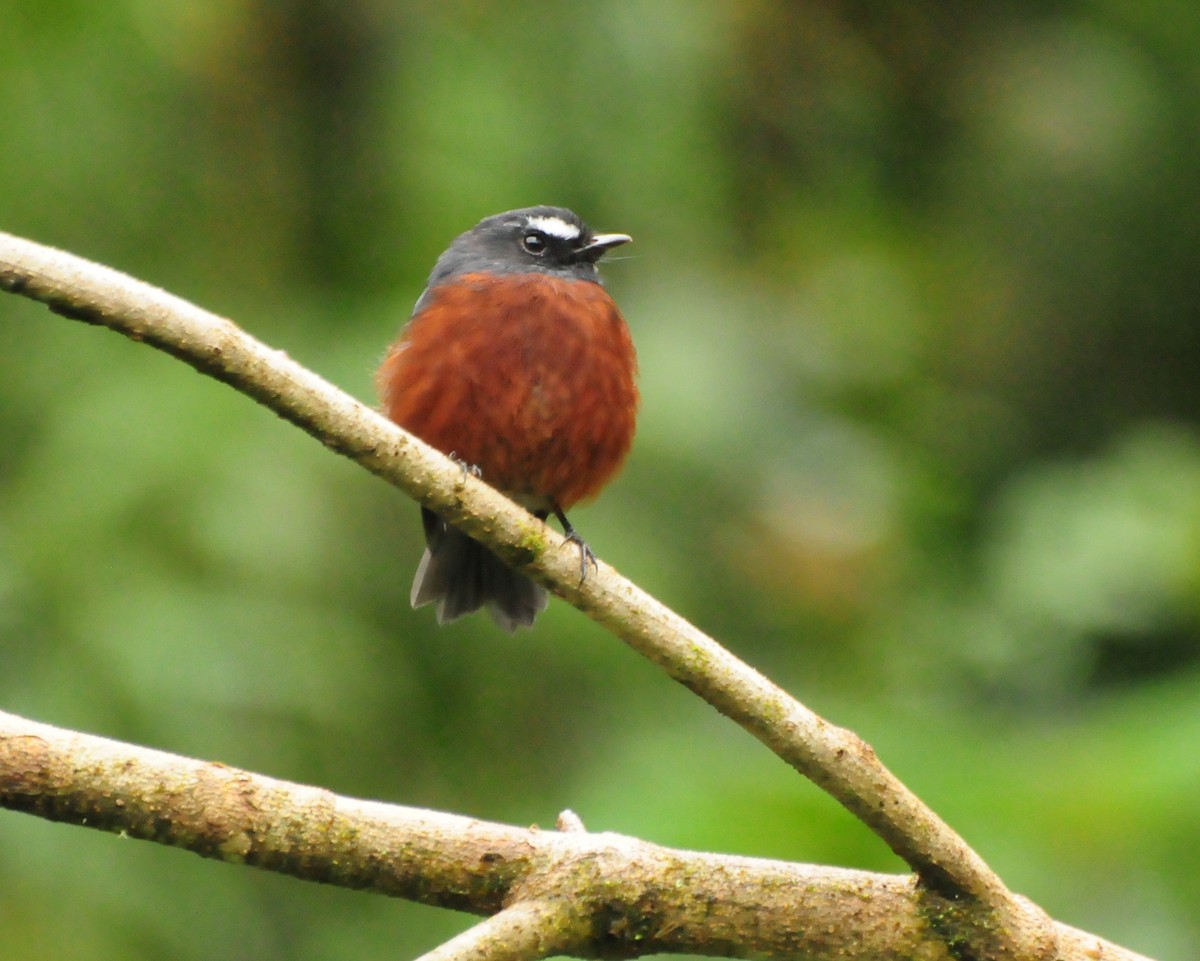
467	468
586	556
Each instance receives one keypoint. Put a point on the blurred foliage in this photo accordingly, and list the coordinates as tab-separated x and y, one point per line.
915	293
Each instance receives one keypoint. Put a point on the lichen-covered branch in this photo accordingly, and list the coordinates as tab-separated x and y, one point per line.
961	898
551	892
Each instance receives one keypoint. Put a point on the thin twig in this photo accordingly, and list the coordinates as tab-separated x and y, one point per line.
525	931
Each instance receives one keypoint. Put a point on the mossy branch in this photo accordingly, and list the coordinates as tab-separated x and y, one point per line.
548	892
956	893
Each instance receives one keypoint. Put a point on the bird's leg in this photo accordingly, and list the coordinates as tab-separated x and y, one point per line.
585	553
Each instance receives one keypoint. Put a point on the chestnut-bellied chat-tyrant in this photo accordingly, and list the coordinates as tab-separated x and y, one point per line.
517	363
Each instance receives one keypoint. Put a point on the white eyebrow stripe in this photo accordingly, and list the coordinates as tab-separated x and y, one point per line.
554	226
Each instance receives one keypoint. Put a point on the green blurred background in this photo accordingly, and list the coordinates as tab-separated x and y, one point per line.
915	292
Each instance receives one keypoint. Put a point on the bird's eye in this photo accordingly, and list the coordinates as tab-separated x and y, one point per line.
534	242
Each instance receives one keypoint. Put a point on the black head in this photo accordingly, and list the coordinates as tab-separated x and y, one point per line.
550	240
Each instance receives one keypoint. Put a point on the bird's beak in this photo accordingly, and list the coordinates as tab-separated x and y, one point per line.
602	243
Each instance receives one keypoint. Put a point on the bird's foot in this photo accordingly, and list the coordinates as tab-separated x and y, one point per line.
586	556
467	468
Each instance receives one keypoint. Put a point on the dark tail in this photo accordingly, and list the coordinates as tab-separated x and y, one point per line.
461	575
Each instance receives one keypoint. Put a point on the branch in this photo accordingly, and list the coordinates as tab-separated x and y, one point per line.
960	896
549	892
525	931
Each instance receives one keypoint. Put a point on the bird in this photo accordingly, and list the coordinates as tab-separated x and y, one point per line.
518	365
